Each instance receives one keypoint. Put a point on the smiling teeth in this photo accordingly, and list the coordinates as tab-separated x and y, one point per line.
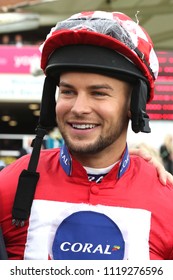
83	126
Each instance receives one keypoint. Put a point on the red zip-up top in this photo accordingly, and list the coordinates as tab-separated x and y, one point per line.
128	215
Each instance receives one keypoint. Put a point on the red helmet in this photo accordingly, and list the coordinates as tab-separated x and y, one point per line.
114	31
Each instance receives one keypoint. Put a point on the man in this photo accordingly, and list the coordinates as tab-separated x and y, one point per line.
90	199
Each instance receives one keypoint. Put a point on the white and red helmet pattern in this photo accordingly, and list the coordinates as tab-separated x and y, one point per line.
113	30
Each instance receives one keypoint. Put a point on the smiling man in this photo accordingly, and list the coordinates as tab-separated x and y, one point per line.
93	116
90	199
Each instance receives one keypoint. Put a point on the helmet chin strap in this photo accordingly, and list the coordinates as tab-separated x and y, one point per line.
28	178
139	117
48	103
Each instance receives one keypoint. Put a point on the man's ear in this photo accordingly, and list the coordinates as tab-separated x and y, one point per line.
129	114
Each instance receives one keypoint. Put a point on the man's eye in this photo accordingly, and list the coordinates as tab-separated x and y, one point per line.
66	92
98	93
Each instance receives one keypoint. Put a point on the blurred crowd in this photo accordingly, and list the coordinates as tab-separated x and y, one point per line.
16	40
166	152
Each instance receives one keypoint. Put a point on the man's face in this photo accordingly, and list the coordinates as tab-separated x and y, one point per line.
92	111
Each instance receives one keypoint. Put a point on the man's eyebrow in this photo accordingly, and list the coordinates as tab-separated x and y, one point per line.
100	86
91	87
63	84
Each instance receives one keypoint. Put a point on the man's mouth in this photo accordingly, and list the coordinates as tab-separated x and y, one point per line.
83	126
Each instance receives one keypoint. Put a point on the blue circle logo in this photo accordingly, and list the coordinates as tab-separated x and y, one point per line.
88	235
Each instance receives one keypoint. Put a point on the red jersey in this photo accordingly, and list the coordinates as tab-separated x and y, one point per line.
128	215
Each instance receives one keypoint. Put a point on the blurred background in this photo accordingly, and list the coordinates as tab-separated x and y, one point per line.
24	25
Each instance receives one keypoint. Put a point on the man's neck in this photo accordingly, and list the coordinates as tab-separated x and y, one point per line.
103	159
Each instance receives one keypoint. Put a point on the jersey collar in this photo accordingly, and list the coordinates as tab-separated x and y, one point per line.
66	161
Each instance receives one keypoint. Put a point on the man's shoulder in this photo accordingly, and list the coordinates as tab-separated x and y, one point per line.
49	153
140	164
146	173
17	166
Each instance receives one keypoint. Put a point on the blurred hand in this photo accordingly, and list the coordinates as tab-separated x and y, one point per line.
164	176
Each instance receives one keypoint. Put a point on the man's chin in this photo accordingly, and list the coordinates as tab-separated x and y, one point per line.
81	148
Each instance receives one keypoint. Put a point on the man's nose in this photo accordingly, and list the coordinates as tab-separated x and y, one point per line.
82	104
